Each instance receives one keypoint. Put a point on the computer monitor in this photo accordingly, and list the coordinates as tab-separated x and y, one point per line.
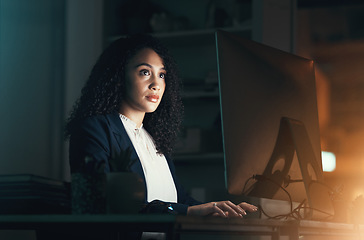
270	122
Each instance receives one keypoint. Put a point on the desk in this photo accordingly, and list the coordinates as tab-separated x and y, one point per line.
293	229
175	226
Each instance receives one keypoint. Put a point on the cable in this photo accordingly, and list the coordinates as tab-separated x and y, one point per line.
318	210
294	213
287	180
263	178
323	184
246	183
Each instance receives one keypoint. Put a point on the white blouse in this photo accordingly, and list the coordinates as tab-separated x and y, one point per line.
158	177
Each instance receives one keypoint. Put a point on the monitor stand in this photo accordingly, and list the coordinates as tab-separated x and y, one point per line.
318	193
293	138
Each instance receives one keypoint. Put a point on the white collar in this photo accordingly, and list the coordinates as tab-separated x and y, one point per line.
130	123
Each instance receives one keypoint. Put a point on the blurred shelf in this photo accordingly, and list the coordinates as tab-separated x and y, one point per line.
195	37
201	94
202	32
198	37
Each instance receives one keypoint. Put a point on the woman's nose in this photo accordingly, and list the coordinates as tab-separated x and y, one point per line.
155	87
155	84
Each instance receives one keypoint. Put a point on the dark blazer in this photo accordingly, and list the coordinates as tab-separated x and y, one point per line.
100	137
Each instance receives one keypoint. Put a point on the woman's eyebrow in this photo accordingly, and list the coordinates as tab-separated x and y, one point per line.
143	64
148	65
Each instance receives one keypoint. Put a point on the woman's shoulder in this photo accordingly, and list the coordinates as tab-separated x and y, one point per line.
100	118
98	121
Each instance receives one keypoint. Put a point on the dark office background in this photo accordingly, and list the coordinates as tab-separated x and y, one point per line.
47	48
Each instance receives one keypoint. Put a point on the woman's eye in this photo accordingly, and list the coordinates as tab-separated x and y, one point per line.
144	72
162	75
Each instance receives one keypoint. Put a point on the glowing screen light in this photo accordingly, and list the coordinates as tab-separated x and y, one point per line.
328	161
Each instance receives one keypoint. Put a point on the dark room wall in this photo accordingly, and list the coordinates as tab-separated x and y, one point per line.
31	74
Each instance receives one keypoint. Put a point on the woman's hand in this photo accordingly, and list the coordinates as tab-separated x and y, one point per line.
248	207
222	209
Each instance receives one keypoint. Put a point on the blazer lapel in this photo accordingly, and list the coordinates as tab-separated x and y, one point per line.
124	142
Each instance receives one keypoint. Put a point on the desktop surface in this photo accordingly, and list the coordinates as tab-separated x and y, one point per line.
176	225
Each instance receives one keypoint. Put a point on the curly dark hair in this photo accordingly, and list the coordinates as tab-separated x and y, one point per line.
103	91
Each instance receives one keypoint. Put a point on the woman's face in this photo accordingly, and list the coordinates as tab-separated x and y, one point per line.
145	83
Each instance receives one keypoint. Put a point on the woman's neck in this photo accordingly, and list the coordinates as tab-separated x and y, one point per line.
135	116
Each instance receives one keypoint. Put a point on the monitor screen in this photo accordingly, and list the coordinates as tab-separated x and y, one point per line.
270	121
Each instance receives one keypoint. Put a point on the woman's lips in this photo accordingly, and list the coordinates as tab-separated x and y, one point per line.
153	98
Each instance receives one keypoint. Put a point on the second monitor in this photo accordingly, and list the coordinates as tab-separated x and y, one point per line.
270	122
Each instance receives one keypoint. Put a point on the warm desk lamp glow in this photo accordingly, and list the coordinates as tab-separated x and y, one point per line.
328	161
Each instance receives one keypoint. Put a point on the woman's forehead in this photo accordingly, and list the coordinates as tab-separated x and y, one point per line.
147	55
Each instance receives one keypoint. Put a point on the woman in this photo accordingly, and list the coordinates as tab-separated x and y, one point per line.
132	101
